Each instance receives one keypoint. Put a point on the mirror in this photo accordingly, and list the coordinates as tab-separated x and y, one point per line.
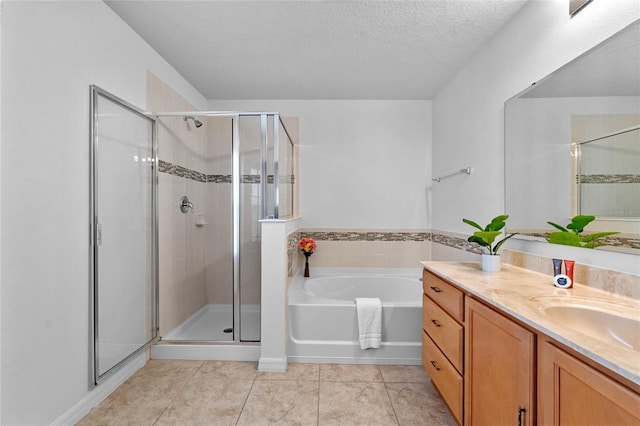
572	146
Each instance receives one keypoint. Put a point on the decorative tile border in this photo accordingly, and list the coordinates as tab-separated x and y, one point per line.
366	236
456	242
219	178
626	240
176	170
621	178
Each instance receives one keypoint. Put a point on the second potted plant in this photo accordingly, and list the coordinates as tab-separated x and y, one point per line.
486	237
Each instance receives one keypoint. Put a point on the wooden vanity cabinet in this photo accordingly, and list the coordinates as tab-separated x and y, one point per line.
500	369
492	370
570	392
443	339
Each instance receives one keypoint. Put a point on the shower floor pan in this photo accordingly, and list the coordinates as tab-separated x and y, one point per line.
202	336
214	322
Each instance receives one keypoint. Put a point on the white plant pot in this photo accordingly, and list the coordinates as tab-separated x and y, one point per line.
491	263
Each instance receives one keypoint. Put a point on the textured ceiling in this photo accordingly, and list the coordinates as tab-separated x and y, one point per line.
317	49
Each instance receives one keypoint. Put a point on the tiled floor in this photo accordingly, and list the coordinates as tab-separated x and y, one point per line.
234	393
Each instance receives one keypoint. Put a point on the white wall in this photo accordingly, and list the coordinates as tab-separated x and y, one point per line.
363	164
51	52
468	111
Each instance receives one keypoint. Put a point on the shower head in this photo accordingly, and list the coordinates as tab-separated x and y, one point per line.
197	122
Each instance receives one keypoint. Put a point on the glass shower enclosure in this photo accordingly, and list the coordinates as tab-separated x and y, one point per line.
235	168
123	233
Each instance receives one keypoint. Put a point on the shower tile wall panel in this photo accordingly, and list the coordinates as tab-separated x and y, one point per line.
219	268
182	246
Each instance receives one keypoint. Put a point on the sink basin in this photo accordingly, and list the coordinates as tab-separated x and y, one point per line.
613	323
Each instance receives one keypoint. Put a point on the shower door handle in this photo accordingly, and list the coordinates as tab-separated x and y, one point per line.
99	234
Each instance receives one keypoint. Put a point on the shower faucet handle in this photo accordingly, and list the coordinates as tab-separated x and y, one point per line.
185	204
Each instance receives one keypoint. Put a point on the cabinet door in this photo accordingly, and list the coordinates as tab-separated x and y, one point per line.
573	393
500	369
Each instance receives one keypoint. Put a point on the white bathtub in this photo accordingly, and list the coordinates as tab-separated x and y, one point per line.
323	325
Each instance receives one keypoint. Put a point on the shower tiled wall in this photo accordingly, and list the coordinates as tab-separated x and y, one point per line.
189	254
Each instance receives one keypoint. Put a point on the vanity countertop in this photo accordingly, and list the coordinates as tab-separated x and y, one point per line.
525	295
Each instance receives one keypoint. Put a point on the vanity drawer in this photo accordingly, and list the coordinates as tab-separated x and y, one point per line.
444	294
444	377
444	331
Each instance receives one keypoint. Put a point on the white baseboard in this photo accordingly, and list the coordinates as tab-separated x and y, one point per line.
100	392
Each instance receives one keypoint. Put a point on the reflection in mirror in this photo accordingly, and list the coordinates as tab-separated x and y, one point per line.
572	145
608	179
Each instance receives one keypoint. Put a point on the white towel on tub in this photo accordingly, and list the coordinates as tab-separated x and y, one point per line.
369	321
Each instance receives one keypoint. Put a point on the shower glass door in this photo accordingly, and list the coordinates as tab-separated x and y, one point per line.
123	224
251	176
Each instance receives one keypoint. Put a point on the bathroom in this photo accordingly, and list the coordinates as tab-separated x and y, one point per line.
50	56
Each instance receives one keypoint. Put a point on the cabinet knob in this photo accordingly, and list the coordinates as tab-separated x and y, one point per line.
436	323
436	289
435	365
520	411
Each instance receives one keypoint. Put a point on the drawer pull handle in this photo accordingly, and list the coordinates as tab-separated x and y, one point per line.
435	365
520	411
436	289
436	323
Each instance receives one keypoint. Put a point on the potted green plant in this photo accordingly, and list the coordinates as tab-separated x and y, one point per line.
570	236
486	237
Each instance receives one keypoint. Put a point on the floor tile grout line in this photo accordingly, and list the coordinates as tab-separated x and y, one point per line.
244	403
386	391
178	392
393	408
